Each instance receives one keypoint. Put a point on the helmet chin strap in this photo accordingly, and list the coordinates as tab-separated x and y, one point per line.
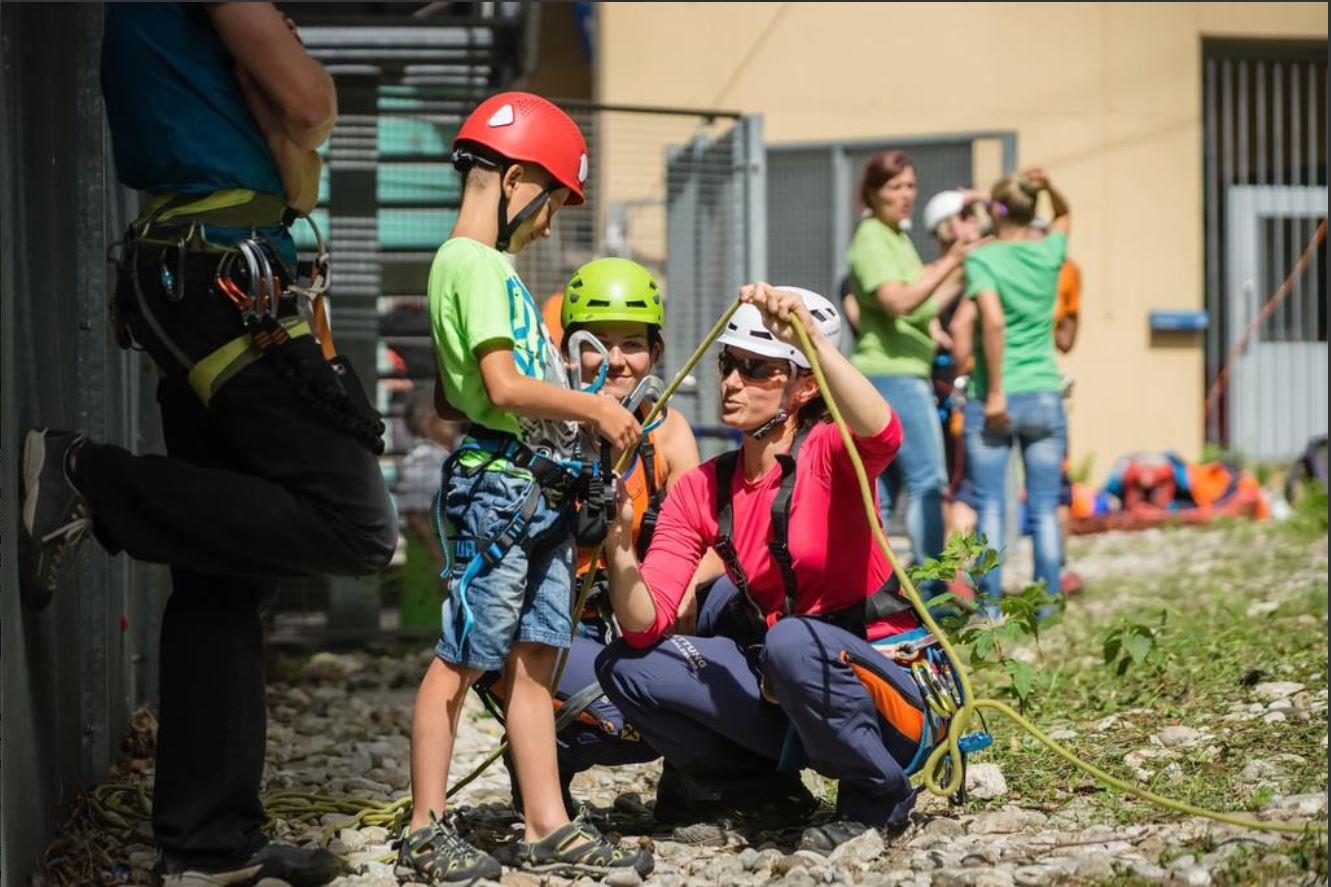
509	227
782	413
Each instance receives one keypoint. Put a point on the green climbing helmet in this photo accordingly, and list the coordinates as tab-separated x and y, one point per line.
612	289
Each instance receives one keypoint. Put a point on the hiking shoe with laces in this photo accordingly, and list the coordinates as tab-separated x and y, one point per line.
578	849
56	517
297	866
830	835
437	854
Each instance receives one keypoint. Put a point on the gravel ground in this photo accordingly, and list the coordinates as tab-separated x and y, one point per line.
339	726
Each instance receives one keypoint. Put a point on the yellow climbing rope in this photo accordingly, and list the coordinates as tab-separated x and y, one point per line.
949	750
119	804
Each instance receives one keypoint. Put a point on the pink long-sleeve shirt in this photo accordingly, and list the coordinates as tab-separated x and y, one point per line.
837	562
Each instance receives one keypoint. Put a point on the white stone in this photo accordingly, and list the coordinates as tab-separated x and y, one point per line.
1062	734
1270	690
623	878
985	781
859	850
1191	876
1177	735
1298	805
1275	717
1258	770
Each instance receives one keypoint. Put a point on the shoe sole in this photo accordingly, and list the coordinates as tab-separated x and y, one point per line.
405	873
34	596
573	870
34	460
248	875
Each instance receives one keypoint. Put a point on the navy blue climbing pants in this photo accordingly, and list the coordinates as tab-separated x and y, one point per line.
699	701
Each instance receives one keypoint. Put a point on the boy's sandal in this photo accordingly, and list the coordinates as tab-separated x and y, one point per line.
579	849
437	854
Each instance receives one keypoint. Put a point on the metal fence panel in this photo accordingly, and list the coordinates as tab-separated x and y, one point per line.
72	672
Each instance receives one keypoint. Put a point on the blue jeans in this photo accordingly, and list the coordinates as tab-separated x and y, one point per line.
923	473
1040	427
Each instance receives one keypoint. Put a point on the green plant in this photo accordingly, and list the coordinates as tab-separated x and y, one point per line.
1131	642
990	642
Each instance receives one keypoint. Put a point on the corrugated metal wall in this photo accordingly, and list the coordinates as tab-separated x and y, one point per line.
72	673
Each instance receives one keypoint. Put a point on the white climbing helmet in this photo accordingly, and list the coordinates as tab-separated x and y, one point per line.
942	206
746	328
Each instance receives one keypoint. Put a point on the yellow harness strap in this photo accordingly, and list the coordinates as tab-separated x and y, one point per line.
222	365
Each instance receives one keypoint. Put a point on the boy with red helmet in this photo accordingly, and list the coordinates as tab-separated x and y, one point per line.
507	494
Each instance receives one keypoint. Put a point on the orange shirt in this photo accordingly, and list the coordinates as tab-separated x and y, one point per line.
1068	302
637	490
550	313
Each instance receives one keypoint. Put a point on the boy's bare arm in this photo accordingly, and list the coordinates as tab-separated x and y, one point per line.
511	391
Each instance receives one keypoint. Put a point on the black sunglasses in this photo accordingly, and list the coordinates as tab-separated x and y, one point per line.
755	369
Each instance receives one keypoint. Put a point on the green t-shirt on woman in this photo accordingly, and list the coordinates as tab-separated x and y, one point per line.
889	344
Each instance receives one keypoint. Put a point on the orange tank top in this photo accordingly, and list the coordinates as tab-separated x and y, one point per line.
638	495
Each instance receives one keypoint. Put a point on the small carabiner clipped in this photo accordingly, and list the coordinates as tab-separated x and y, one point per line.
573	351
650	388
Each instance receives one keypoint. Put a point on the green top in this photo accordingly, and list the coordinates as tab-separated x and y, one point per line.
889	344
476	298
1024	273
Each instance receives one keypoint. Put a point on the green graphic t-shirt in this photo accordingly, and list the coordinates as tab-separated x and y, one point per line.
475	297
889	344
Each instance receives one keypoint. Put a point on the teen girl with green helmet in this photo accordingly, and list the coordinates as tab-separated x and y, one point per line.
619	303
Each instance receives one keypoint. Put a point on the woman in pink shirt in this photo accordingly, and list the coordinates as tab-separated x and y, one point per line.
781	671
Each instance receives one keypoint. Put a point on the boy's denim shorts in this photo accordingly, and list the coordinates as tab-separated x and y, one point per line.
527	595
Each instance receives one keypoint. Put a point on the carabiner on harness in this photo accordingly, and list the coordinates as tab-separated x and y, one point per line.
573	350
307	290
263	287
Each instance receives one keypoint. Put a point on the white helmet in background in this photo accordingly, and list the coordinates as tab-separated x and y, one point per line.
746	328
942	206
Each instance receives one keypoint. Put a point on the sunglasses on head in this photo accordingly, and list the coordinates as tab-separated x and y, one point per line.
755	369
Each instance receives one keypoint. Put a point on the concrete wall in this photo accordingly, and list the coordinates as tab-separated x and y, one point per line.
1107	96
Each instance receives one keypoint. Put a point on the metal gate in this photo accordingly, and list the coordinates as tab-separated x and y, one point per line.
812	208
1265	144
1278	389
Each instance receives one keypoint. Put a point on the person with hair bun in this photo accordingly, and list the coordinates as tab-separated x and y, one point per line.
1016	389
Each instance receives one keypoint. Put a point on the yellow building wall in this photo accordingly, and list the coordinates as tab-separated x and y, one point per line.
1105	96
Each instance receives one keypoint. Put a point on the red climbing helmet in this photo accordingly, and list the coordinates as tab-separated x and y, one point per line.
526	128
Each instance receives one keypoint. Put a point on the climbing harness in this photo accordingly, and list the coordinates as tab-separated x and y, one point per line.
550	478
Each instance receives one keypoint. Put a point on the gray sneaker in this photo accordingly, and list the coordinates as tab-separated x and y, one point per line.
297	866
56	517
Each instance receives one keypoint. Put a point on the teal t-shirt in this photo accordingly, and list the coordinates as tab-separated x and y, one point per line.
475	297
889	344
1024	273
178	119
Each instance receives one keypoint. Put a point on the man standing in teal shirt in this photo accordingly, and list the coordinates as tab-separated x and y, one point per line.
215	111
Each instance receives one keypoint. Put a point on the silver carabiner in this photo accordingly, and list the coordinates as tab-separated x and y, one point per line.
573	350
269	281
649	388
246	248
